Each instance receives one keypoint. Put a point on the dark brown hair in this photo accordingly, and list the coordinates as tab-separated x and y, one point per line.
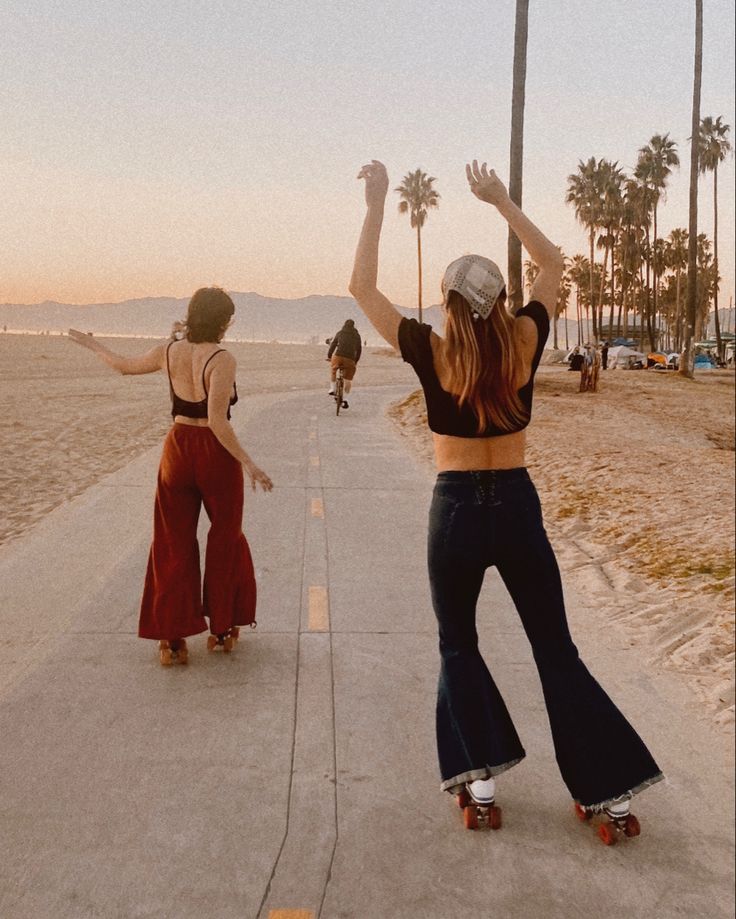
481	356
208	315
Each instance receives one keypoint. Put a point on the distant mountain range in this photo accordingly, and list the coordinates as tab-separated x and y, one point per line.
304	321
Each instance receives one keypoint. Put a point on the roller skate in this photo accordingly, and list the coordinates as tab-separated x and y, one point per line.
617	816
173	652
477	800
226	640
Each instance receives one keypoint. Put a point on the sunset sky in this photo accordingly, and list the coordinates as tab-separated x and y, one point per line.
150	148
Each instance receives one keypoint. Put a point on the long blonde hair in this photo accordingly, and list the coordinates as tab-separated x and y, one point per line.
482	358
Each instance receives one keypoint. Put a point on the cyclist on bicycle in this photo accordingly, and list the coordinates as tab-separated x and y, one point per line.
345	350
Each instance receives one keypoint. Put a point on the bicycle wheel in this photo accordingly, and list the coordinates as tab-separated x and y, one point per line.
338	391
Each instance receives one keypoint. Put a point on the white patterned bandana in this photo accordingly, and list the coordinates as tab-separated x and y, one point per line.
478	279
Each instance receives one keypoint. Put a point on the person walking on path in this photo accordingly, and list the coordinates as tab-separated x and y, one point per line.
344	351
478	382
202	463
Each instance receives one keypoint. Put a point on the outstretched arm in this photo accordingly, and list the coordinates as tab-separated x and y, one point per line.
149	362
487	187
384	317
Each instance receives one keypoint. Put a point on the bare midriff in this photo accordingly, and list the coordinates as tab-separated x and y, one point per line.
460	454
194	422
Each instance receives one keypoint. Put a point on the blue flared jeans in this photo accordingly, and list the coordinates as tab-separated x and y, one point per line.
493	517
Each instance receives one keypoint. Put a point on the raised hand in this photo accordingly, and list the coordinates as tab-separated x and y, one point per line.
376	182
485	185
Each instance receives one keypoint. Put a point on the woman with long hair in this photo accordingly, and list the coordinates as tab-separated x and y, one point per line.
202	463
478	382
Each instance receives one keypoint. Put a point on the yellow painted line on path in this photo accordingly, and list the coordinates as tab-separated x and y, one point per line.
319	616
318	509
290	914
314	462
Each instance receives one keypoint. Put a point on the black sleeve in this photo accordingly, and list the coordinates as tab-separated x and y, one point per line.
359	349
537	312
333	344
414	343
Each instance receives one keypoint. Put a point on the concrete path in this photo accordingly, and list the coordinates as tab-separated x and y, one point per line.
296	778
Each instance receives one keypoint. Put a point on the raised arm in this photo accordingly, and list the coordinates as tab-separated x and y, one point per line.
486	186
379	310
149	362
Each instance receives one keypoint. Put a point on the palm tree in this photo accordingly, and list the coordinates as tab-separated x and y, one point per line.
654	167
610	185
676	255
583	194
578	272
531	272
563	298
635	218
417	197
714	147
516	152
686	363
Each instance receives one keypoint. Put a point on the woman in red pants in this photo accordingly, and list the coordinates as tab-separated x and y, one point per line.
202	463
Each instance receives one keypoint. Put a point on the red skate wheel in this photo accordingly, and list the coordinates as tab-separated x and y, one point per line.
494	817
607	832
470	815
227	644
631	826
462	798
211	642
582	814
235	633
165	656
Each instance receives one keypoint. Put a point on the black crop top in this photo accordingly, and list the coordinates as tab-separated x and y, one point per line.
181	406
443	414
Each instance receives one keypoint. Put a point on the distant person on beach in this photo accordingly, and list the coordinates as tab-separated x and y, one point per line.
576	359
344	351
478	382
590	369
202	463
604	356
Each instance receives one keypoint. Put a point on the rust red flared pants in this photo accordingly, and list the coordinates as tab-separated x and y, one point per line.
196	469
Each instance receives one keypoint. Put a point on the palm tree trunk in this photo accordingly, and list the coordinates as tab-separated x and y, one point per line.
592	280
516	153
686	362
567	341
656	278
648	308
678	318
419	264
601	292
612	308
719	343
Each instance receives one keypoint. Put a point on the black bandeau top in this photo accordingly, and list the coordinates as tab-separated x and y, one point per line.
444	416
181	406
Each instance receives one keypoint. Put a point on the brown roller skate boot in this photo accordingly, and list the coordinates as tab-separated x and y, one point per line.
173	652
226	640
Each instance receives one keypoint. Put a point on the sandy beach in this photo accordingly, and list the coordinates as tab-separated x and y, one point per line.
637	481
637	486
